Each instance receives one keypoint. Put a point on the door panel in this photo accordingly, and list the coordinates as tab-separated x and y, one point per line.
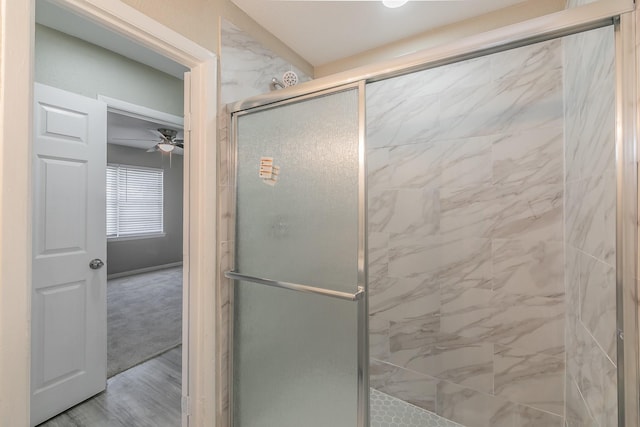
297	356
295	359
68	356
63	317
63	179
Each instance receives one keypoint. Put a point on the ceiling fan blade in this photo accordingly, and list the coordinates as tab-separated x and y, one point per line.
179	143
158	134
153	149
133	139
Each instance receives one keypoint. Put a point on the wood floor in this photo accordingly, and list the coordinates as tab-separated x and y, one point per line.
147	395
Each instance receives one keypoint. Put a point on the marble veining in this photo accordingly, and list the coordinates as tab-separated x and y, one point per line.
463	361
466	311
528	267
527	158
466	215
530	212
529	322
476	409
590	376
414	166
404	211
598	302
401	119
405	298
468	212
537	58
226	244
411	255
413	333
247	67
469	407
530	378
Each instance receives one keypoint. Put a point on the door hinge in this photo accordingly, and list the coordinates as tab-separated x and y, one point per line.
186	405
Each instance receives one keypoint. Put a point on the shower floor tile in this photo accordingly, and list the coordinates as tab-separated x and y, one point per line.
387	411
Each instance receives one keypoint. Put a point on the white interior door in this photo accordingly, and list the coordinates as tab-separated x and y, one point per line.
68	355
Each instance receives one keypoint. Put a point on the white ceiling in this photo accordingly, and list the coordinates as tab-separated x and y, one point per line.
325	31
53	16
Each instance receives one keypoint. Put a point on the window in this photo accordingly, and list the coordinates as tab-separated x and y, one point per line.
134	201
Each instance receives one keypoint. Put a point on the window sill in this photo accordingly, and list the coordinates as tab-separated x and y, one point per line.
135	237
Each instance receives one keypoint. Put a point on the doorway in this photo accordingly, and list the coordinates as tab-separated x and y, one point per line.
73	195
144	235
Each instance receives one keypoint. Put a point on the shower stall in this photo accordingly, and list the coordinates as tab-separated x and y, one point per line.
444	241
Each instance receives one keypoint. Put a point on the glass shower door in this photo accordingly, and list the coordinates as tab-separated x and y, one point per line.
299	330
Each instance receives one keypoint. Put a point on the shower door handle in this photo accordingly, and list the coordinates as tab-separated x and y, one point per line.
297	287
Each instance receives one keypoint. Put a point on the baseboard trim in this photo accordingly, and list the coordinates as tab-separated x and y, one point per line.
143	270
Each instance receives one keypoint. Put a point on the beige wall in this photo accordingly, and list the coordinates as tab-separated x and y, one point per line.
195	19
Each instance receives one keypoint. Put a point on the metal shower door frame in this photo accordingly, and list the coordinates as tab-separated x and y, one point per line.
360	296
628	345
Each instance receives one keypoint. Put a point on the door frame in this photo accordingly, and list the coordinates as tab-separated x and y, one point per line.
16	97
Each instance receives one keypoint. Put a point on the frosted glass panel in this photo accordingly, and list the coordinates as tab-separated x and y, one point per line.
295	359
301	225
295	354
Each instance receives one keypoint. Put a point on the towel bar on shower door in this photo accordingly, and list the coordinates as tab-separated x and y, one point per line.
297	287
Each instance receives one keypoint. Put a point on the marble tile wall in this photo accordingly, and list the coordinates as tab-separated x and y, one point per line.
247	67
225	262
466	238
590	274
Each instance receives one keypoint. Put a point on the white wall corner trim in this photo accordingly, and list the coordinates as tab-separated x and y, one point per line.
16	95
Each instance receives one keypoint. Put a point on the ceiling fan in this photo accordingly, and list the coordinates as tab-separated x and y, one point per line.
168	142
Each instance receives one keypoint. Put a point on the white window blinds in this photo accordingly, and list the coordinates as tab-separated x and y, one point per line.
134	201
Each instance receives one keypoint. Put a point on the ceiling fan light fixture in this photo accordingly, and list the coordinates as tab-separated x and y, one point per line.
392	4
166	147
